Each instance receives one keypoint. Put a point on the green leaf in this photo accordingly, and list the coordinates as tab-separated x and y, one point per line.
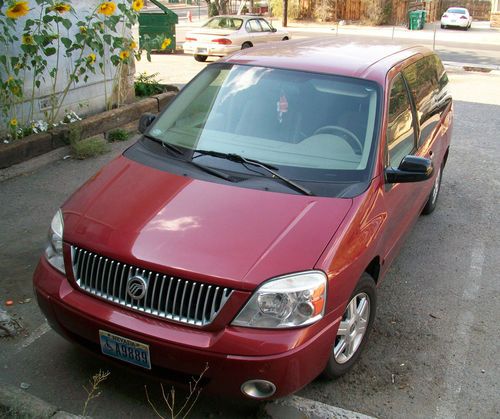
66	23
37	84
49	51
107	39
47	18
67	42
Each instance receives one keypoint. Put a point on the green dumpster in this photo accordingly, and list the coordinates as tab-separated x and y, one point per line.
414	20
158	26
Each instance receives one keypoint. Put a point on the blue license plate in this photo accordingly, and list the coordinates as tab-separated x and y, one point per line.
124	349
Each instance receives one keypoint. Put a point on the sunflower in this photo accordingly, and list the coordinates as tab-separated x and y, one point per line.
166	43
107	8
133	45
83	30
137	5
27	39
15	90
13	122
124	55
91	58
61	7
18	9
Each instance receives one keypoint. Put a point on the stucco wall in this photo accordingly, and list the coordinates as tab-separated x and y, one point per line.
83	98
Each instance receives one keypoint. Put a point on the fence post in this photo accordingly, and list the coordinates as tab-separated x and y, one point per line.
434	40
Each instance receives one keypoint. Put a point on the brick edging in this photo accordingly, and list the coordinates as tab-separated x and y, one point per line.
37	144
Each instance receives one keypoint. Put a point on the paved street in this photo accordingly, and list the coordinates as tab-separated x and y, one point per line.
434	351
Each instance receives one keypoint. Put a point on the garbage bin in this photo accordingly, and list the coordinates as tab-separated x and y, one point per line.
414	20
158	25
423	15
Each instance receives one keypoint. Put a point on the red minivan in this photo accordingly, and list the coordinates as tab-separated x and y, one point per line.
250	225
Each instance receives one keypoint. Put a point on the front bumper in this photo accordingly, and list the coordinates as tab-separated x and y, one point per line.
288	358
207	48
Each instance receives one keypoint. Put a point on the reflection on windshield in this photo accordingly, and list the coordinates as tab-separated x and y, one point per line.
311	126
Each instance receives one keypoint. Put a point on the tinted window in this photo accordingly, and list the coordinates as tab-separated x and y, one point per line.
457	11
400	132
422	80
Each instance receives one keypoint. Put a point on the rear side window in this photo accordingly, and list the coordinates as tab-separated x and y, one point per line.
422	80
253	26
400	133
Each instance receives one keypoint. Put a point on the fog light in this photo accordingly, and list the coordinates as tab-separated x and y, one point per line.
258	389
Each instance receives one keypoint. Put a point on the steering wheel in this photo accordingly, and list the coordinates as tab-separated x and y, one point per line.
349	137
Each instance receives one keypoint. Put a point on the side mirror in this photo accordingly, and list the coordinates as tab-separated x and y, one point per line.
274	30
411	169
145	121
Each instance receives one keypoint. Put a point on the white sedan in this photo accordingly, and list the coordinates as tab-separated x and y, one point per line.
222	35
456	16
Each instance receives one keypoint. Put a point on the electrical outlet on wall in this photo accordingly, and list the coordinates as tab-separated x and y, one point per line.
44	103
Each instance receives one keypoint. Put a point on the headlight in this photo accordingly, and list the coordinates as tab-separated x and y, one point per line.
54	250
287	301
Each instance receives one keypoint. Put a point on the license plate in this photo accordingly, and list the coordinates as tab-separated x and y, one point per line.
124	349
202	51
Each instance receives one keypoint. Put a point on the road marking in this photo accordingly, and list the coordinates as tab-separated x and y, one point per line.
447	405
37	334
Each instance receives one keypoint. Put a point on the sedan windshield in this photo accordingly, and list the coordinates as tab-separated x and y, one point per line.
311	127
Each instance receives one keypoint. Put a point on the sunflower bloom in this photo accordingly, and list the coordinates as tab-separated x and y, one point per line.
124	55
91	58
27	40
83	29
133	45
61	8
107	8
18	9
13	122
15	90
166	43
137	5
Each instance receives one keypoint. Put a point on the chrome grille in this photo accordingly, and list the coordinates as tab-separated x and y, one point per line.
167	297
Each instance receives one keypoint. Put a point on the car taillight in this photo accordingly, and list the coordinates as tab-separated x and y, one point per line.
445	15
191	39
463	17
222	41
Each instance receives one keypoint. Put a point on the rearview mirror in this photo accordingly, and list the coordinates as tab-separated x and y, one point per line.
145	121
274	30
411	169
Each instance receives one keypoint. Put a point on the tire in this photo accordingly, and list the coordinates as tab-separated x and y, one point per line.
285	38
246	45
200	58
431	203
443	26
364	299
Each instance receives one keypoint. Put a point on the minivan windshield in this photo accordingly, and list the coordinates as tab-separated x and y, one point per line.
309	126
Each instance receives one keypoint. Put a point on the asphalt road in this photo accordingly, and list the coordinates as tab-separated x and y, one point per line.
434	351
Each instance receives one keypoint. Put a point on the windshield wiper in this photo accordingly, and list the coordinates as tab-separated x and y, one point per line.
164	144
176	150
266	166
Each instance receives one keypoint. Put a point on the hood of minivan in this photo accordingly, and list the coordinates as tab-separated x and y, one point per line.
199	230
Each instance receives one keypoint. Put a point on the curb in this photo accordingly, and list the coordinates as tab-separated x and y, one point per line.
295	407
17	403
37	144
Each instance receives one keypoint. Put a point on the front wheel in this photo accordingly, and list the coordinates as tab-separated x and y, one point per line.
201	58
354	328
433	196
246	45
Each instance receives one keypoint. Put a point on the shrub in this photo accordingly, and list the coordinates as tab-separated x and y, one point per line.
147	85
118	134
89	147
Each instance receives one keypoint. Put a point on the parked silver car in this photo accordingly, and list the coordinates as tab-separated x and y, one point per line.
222	35
458	17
